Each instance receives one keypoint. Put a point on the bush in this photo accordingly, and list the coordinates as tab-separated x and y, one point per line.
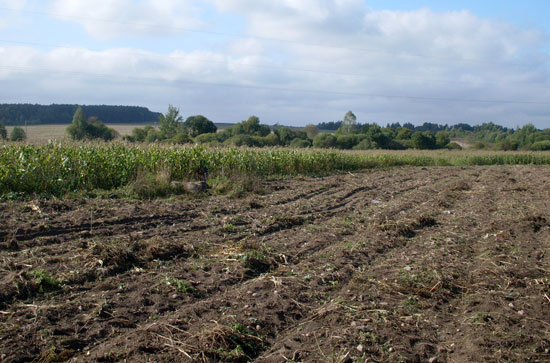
3	132
454	146
365	144
479	145
98	130
346	141
150	186
506	145
300	143
18	134
423	140
324	141
180	138
242	140
270	140
89	129
442	139
210	138
540	145
152	135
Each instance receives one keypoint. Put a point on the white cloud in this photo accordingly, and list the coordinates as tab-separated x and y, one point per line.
113	18
339	55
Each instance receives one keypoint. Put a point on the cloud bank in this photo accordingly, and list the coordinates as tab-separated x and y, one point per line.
295	62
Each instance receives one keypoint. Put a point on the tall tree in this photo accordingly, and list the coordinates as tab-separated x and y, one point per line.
171	123
311	131
79	128
349	123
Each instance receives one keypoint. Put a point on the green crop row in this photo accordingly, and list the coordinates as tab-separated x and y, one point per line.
61	168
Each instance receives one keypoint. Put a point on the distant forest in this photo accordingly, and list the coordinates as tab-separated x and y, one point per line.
21	114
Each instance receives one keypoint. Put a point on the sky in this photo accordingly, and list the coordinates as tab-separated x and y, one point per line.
291	62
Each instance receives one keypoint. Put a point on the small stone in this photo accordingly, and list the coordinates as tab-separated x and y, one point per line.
255	294
407	268
353	323
174	296
432	360
360	348
511	305
521	312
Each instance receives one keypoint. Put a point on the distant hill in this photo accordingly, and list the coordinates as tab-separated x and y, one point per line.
19	114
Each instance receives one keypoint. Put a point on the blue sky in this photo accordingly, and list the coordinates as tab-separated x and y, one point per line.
292	61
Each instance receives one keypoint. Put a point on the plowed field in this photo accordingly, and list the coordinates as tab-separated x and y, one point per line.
406	264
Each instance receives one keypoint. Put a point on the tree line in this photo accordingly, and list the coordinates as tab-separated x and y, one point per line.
344	134
31	114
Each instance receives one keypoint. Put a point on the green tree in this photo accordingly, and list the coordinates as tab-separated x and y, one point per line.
18	134
98	130
423	140
349	123
325	141
300	143
403	134
78	130
252	127
199	124
91	128
208	138
3	132
442	139
171	123
311	131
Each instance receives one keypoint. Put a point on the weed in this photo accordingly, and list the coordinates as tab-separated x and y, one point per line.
257	261
44	282
117	256
150	186
230	343
179	285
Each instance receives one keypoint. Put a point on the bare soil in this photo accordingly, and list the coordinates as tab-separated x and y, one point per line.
407	264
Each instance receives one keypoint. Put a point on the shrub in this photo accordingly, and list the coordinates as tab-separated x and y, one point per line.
89	129
300	143
365	144
149	186
18	134
506	145
3	132
152	135
540	145
423	140
454	146
479	145
324	141
180	138
241	140
208	138
346	141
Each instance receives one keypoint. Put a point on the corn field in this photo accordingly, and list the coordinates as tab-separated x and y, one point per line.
60	168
